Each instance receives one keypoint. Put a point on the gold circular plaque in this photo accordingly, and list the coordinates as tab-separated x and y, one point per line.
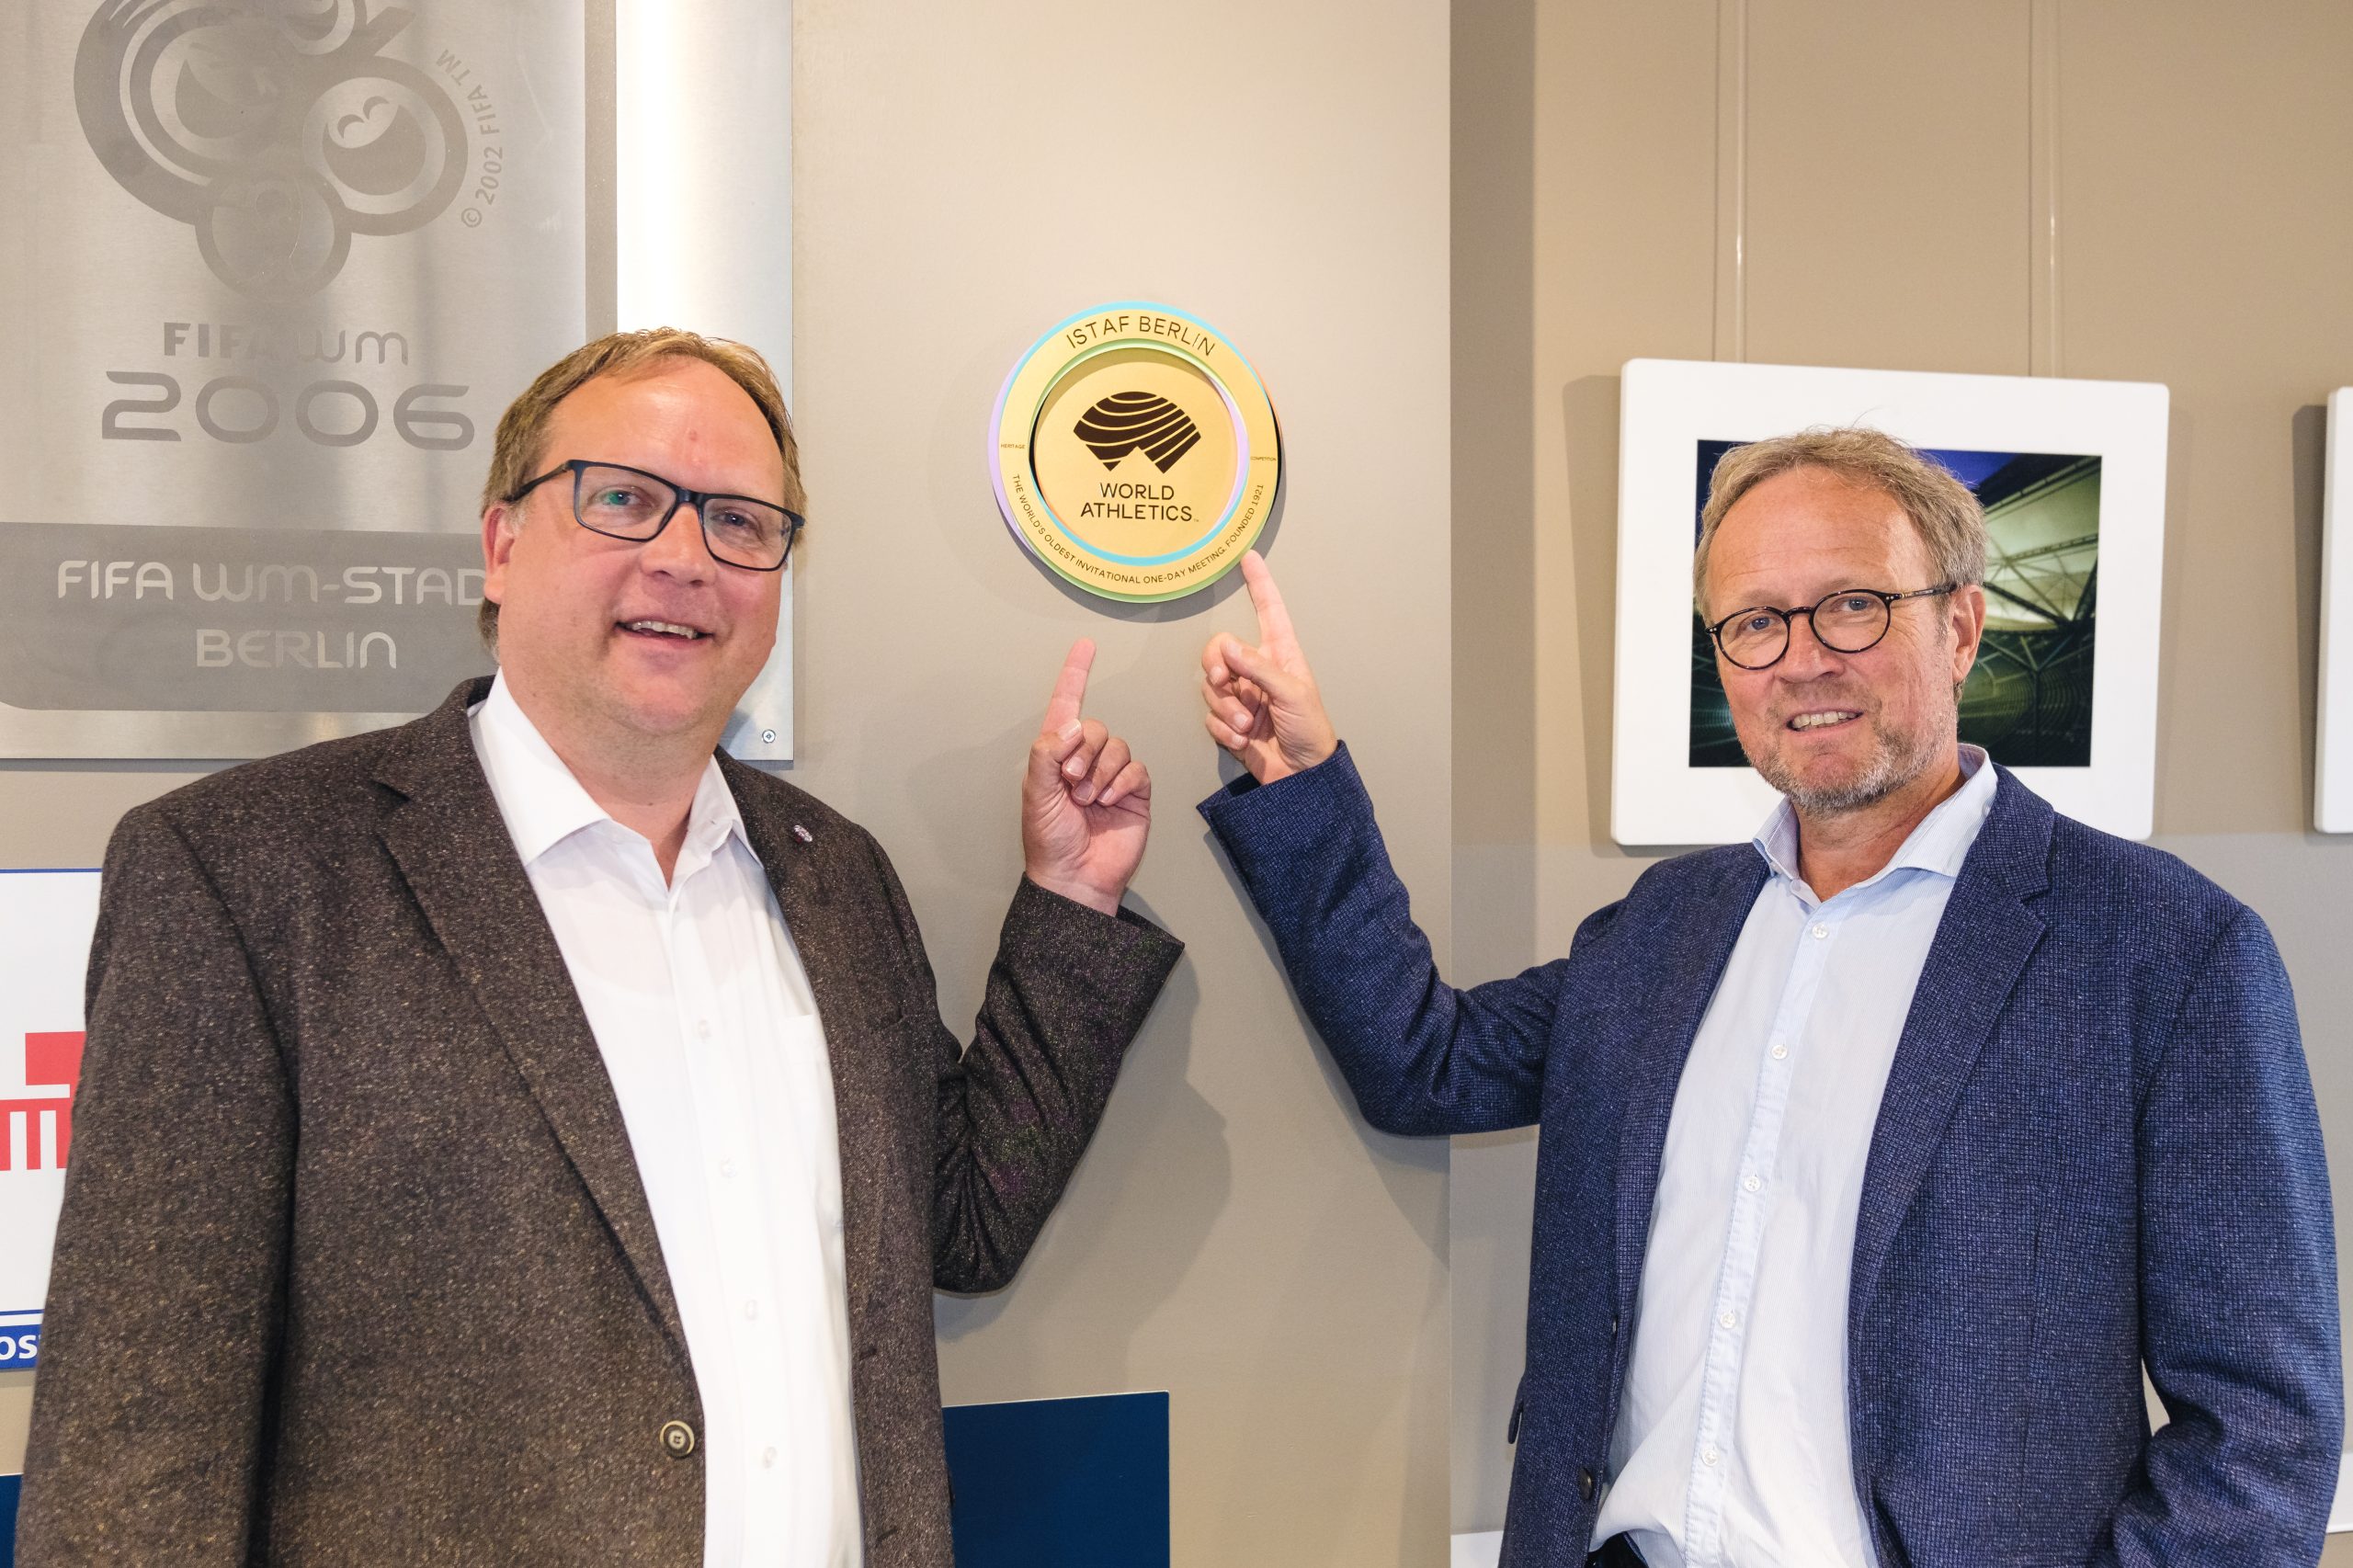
1136	452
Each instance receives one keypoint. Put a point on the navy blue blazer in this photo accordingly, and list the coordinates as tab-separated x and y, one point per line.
2098	1149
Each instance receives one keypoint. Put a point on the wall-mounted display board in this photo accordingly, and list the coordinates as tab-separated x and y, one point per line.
2332	785
46	919
2071	477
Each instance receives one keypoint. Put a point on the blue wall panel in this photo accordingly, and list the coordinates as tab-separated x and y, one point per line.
1060	1482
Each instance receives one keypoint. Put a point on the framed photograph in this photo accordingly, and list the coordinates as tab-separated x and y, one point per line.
2332	785
2072	476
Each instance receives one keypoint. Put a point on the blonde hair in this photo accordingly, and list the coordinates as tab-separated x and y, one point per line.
522	429
1950	522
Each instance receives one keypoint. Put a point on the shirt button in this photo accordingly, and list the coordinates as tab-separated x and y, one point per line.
767	1457
1728	1319
1751	1184
727	1168
751	1309
1780	1052
1820	932
678	1439
702	1025
1709	1456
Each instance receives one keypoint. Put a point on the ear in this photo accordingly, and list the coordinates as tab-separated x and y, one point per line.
499	521
1968	615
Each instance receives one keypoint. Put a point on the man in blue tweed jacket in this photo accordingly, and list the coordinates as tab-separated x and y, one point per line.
1880	1156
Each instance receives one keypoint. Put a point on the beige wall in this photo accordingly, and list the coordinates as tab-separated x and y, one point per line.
965	180
965	176
1893	176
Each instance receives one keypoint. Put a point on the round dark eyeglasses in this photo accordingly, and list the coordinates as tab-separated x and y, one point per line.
1851	621
620	502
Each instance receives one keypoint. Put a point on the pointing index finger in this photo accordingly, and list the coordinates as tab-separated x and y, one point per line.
1274	620
1070	688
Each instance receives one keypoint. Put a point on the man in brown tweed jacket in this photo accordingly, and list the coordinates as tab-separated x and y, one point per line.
408	1164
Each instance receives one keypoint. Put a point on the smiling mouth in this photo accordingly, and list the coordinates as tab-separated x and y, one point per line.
669	629
1823	721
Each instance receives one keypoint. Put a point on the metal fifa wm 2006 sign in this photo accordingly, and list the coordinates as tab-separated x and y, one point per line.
1135	452
273	269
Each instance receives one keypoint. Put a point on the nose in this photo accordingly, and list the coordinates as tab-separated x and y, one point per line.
679	551
1806	657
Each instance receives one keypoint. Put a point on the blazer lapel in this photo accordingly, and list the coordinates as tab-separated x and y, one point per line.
1690	964
1981	946
858	1043
452	846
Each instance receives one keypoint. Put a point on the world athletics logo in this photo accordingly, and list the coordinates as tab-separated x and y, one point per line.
277	131
1132	421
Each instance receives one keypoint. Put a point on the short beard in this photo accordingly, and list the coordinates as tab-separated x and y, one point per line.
1894	765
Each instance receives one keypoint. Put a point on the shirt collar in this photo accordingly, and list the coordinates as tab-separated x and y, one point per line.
543	804
1939	844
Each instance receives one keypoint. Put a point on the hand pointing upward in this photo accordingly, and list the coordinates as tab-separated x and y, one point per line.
1263	704
1086	802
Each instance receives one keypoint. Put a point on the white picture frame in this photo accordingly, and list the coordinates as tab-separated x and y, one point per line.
1671	407
2333	748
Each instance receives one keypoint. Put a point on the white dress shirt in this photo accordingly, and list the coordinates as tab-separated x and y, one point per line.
1729	1449
704	1017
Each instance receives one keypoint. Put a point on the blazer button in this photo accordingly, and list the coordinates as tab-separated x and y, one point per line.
678	1439
1585	1484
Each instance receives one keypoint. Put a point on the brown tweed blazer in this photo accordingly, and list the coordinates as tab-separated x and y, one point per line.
355	1266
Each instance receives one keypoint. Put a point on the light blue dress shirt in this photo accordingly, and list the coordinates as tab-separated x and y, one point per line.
1729	1449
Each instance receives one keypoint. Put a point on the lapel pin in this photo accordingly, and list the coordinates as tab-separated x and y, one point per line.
802	834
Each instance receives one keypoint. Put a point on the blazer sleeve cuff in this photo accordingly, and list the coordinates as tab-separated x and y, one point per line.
1261	826
1128	953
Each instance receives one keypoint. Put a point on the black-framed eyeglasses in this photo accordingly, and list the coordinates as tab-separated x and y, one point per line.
1851	621
620	502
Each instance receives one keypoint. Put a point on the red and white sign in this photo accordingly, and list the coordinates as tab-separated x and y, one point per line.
46	919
